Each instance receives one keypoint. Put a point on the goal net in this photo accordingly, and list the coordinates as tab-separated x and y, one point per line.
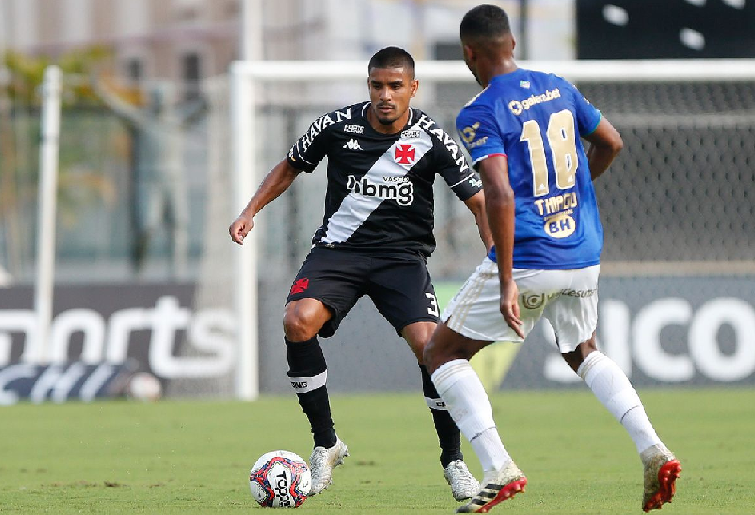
678	200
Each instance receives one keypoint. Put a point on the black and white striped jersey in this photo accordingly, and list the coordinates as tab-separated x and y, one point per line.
380	186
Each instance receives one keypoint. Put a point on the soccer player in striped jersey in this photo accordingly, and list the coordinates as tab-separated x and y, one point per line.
376	235
524	133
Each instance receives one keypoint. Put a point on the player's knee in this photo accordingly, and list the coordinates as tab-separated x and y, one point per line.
417	335
575	358
430	356
297	328
300	323
418	348
427	356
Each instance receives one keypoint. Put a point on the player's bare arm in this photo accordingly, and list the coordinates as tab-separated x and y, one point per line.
476	204
605	145
500	208
275	182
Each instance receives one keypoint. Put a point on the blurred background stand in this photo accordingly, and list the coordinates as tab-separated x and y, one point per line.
158	190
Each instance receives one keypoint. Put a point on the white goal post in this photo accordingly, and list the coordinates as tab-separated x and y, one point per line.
48	187
246	75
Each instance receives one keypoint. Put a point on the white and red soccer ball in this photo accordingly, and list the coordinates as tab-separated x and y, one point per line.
280	479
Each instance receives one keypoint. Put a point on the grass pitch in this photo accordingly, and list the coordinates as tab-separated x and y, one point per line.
192	457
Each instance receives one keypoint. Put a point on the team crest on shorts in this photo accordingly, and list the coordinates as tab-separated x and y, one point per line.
299	286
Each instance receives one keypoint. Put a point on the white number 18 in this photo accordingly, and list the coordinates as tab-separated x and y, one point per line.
562	141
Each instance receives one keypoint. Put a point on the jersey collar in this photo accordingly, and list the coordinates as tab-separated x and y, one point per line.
508	76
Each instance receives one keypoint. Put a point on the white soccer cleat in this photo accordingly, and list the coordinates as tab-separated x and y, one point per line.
463	483
661	472
322	462
497	486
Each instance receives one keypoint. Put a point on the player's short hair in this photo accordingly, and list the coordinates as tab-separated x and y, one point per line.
485	21
392	57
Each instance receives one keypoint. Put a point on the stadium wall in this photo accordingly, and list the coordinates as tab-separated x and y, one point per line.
663	331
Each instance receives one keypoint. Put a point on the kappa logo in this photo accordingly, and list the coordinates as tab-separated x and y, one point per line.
353	144
299	286
404	154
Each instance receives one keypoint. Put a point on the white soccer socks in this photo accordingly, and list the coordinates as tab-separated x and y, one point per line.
613	389
466	400
448	434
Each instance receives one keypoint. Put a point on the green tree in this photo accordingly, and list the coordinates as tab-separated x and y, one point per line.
20	107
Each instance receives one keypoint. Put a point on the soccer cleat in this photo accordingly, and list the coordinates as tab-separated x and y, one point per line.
498	485
661	471
322	462
463	483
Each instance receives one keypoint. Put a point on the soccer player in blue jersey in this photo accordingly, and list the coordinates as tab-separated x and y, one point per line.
524	133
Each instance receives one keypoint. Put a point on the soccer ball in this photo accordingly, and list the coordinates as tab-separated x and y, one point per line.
280	479
144	386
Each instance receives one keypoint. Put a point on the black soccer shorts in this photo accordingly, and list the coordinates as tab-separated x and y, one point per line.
398	284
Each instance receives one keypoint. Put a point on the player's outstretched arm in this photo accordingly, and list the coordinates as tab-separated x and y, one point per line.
275	182
605	145
103	89
476	204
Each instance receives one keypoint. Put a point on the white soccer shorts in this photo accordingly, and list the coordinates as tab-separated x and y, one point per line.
568	299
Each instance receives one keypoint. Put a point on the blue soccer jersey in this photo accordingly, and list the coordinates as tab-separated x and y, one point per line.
536	120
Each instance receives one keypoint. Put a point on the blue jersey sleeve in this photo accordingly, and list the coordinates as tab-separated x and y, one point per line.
588	116
479	132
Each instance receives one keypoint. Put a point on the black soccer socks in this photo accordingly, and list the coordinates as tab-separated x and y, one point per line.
308	373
